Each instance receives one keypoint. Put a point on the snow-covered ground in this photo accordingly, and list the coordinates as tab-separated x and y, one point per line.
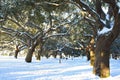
51	69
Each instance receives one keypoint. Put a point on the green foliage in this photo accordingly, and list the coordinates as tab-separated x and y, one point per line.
46	14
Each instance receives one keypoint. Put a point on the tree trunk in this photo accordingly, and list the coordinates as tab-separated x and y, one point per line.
92	52
102	54
16	51
102	68
102	51
92	57
32	46
29	55
38	56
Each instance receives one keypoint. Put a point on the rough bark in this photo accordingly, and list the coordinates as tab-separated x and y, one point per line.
101	67
31	49
30	54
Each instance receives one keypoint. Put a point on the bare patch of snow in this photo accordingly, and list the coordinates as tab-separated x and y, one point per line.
119	11
104	30
107	16
105	9
51	69
118	4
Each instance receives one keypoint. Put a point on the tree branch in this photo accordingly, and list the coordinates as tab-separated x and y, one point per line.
15	33
99	9
114	6
17	23
33	25
54	35
90	11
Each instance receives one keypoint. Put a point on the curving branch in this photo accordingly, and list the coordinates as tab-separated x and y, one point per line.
93	13
99	9
15	33
14	21
55	35
114	6
33	25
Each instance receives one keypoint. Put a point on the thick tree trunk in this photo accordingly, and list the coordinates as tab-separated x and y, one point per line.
30	54
101	67
102	54
32	46
102	51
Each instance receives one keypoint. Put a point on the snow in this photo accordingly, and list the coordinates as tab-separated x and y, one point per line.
104	21
51	69
105	9
118	4
119	11
107	16
104	30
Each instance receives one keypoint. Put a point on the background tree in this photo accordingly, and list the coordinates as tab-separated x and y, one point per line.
33	22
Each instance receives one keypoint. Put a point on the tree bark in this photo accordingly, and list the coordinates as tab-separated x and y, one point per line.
31	49
32	45
30	54
16	51
102	53
92	52
101	67
38	56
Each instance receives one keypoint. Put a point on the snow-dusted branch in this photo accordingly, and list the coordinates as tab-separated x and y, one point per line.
63	23
94	14
89	20
2	20
15	33
7	30
22	47
33	25
36	35
27	35
14	21
114	6
55	35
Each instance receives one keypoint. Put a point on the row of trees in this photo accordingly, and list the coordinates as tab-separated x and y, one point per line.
72	27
